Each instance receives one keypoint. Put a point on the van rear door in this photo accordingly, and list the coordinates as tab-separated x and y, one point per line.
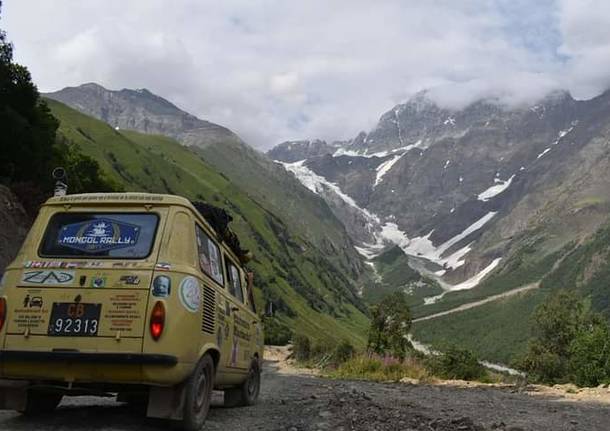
88	288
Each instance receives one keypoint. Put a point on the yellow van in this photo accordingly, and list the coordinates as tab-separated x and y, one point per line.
129	293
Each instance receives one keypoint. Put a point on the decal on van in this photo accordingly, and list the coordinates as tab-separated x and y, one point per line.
162	286
98	282
61	264
98	235
190	294
48	277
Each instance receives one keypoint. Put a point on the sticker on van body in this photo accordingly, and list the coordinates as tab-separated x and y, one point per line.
190	294
98	235
162	286
48	277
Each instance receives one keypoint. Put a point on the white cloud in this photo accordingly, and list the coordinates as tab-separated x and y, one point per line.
274	70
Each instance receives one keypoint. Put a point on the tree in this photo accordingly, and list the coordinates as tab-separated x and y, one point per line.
556	323
589	360
26	124
29	145
390	325
457	363
570	343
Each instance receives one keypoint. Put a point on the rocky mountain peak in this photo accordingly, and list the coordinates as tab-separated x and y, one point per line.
143	111
294	151
455	187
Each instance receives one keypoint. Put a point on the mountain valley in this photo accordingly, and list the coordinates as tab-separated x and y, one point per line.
451	206
482	199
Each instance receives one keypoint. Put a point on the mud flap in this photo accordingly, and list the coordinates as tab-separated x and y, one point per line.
13	395
166	402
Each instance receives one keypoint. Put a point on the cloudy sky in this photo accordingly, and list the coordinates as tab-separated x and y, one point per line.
274	70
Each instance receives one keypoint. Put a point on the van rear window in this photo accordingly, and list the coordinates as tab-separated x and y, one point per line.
112	235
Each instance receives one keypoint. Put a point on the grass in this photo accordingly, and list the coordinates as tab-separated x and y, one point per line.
415	368
362	367
317	293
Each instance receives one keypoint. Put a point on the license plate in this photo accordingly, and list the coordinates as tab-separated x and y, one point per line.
74	319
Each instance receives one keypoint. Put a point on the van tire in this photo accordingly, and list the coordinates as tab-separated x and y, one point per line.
198	394
246	394
41	402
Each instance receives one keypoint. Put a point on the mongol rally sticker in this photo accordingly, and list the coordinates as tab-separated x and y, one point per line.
98	235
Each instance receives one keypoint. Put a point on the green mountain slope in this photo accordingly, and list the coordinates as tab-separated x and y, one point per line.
313	294
499	331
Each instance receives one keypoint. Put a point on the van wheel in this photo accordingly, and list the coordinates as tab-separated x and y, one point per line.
198	394
247	393
41	402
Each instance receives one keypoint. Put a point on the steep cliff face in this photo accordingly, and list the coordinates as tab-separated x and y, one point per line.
461	190
14	224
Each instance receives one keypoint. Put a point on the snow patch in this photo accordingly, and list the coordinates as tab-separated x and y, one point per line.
560	135
341	151
423	247
447	163
543	153
474	281
319	184
450	121
496	189
385	167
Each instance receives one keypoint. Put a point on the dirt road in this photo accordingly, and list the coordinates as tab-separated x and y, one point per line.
480	302
297	401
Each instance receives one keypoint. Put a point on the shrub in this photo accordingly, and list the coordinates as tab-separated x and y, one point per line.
570	344
276	333
343	352
381	368
301	347
456	363
590	356
390	324
321	348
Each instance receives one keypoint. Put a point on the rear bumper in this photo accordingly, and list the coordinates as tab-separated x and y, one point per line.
87	358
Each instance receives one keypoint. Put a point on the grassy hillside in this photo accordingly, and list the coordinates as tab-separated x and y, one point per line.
281	193
497	331
313	294
586	269
528	263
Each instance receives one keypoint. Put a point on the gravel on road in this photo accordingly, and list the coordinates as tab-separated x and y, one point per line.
298	402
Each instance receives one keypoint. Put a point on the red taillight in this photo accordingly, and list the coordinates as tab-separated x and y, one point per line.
157	320
3	312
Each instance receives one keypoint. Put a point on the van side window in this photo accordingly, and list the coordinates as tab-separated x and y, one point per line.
234	281
249	289
209	256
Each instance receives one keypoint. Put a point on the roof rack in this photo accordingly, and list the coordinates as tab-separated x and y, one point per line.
219	219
